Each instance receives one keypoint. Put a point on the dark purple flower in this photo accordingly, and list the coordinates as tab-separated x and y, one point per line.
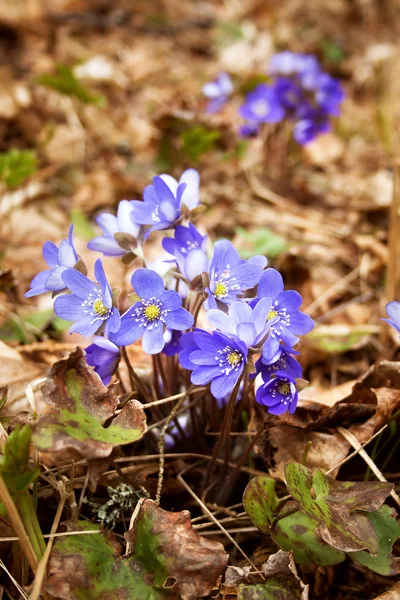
282	361
59	260
393	311
289	321
249	129
189	248
103	355
110	225
279	394
163	200
218	91
329	94
213	357
310	126
157	309
90	304
291	63
172	339
262	106
230	275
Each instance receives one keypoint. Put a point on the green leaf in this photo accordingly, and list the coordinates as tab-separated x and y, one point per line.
272	590
83	228
336	339
260	502
340	507
298	533
14	464
82	405
261	241
16	166
88	567
388	530
332	52
197	141
64	81
171	550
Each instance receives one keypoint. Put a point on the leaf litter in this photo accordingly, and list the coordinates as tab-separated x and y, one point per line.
324	212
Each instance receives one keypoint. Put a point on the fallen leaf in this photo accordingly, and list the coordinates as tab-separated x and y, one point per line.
337	506
392	594
166	543
83	404
90	567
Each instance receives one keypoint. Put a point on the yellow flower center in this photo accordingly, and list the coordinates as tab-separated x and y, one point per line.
233	358
284	389
221	290
99	308
272	314
152	312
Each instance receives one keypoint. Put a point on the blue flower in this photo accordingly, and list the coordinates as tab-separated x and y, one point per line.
290	322
172	339
329	94
90	304
282	361
249	129
110	225
213	357
218	91
311	123
262	106
279	394
250	325
157	308
59	260
230	276
189	248
292	63
165	198
103	355
393	311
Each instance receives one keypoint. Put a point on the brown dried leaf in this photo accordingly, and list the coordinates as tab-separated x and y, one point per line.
176	552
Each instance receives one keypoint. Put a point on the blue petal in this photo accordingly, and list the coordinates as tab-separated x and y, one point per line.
69	307
260	313
147	284
393	311
184	359
66	254
129	331
204	374
199	357
259	260
142	212
190	197
271	284
239	312
300	323
108	224
179	319
170	300
224	254
113	322
247	275
105	344
162	190
86	326
102	281
221	386
270	348
206	341
221	320
247	333
79	284
50	254
290	300
153	338
38	284
106	245
55	281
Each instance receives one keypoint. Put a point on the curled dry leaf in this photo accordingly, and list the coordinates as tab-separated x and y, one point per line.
82	405
392	594
338	506
177	555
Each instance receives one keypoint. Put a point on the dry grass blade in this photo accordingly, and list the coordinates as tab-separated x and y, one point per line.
18	525
19	588
357	446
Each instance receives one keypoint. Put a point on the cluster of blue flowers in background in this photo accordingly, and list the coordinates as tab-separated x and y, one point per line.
298	89
253	323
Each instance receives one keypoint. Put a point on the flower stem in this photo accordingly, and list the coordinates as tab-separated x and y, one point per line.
134	377
31	523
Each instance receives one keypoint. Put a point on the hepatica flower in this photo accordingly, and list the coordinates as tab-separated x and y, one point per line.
299	90
393	311
289	322
213	357
103	355
157	309
164	200
279	394
111	226
189	249
282	361
218	91
59	259
90	304
250	325
230	276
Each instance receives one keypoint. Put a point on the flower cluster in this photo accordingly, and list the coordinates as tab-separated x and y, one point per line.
297	89
254	322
